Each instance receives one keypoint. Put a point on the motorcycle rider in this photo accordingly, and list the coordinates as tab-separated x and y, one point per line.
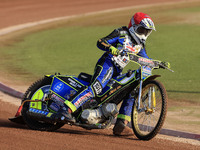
140	27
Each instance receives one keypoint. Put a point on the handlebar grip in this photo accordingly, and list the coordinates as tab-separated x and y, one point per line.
164	67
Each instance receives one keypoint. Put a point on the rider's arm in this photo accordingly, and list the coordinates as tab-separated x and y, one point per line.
143	53
108	41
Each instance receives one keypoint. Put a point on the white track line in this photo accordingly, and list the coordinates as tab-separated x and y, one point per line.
15	28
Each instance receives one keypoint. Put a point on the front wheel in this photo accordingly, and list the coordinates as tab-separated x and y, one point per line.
149	118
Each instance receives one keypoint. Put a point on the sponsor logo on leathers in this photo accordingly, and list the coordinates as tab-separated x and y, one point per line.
83	99
107	75
97	87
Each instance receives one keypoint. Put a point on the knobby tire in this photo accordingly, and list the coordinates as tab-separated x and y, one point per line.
161	119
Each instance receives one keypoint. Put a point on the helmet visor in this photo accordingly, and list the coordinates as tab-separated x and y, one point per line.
143	31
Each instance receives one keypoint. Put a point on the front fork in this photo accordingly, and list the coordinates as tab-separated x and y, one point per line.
140	95
151	99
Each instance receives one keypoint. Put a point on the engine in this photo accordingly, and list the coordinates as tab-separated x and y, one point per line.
93	116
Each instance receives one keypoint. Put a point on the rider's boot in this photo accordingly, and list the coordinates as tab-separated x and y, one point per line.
121	128
65	114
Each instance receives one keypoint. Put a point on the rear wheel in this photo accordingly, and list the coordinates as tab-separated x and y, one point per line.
35	91
148	120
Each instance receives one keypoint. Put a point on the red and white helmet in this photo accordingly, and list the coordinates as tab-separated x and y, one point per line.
140	27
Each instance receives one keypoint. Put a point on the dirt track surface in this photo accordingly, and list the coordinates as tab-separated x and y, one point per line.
23	11
14	136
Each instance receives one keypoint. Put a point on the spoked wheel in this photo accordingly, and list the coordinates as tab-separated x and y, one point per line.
37	91
148	120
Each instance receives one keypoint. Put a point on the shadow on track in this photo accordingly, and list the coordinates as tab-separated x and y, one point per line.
9	124
73	131
94	132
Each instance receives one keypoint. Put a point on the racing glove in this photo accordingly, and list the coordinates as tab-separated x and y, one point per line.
165	65
114	51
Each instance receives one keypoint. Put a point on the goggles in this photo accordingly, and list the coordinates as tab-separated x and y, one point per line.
143	31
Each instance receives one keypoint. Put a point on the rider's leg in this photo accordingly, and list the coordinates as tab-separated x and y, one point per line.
123	118
103	72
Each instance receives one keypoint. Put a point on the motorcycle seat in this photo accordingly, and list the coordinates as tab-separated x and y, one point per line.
85	77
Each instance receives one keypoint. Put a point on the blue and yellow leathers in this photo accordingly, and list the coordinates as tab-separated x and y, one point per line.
106	69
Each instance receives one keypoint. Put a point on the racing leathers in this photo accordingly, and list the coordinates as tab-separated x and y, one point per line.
109	66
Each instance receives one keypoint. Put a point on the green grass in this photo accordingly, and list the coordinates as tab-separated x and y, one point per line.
66	50
180	46
70	49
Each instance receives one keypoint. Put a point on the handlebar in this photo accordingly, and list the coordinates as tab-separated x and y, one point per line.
147	62
166	67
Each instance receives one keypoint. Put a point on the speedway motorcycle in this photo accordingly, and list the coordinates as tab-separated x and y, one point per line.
45	97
